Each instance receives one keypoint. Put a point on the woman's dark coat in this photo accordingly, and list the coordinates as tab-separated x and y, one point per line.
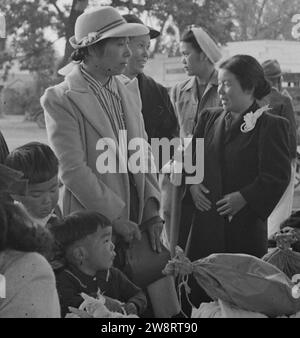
257	164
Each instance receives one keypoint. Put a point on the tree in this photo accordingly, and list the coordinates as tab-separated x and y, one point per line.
210	14
263	19
29	23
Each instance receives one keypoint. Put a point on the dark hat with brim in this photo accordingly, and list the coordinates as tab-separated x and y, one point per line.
131	18
271	69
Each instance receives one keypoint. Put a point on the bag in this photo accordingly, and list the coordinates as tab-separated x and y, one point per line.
243	281
144	267
142	264
287	261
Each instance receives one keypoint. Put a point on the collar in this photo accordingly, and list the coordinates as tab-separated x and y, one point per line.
192	82
83	279
36	221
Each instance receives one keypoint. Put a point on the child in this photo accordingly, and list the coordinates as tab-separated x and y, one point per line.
39	165
85	237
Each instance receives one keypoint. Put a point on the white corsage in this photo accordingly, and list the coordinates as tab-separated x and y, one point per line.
251	118
92	36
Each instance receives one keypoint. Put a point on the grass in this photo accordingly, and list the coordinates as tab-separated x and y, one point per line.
17	132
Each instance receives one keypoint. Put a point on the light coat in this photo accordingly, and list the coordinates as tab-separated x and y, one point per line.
185	99
75	123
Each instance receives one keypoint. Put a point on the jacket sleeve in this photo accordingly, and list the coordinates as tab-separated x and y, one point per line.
171	126
31	290
68	292
274	167
173	99
130	292
64	136
288	113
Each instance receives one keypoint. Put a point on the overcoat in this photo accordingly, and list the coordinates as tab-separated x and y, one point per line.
187	103
257	164
77	125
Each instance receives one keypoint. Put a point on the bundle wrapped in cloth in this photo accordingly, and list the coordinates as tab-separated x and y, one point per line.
95	308
286	243
284	256
242	281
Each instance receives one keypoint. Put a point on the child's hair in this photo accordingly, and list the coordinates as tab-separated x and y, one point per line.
35	160
77	226
17	234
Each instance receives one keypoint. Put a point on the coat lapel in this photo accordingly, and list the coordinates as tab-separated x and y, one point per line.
218	138
235	128
132	105
83	97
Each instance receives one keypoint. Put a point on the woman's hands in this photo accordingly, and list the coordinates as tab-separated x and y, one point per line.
154	231
198	192
231	204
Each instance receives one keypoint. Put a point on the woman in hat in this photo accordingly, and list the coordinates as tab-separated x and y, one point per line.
91	118
92	104
27	282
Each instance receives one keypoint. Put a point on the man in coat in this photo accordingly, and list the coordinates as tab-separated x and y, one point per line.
158	113
282	106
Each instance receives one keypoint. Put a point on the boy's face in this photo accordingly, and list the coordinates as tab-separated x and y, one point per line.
41	198
99	249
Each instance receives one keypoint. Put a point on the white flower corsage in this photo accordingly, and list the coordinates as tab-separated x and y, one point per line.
92	36
251	118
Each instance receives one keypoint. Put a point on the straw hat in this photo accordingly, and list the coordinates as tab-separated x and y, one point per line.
207	44
131	18
102	23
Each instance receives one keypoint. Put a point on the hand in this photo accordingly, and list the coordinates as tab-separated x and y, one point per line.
201	202
231	204
126	229
131	309
154	232
113	305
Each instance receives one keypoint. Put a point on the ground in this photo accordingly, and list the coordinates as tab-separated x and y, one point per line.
17	132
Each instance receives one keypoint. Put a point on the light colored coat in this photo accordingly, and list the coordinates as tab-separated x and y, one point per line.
30	286
75	122
184	97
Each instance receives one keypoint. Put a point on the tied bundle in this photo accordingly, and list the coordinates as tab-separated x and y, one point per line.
95	308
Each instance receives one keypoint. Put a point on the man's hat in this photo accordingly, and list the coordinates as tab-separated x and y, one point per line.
271	69
131	18
102	23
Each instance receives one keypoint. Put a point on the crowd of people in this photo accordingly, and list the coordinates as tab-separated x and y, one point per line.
105	237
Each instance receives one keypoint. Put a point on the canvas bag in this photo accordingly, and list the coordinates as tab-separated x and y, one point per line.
243	281
144	268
